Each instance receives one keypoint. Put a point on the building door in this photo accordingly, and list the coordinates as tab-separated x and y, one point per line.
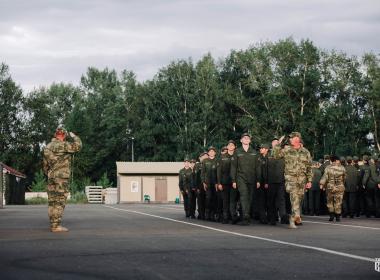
161	189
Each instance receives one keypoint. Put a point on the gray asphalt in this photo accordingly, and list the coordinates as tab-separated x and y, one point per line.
155	241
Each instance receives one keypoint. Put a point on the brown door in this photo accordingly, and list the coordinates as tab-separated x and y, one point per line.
161	189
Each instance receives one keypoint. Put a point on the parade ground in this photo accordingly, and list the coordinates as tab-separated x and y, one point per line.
156	241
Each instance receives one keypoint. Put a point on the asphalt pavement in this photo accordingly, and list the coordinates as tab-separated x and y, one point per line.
156	241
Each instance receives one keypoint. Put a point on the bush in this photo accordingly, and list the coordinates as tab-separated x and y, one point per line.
104	181
36	201
77	198
39	183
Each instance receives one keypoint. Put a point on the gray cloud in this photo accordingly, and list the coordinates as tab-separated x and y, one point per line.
44	41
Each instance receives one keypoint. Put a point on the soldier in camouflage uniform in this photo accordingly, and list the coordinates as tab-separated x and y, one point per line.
298	173
334	177
57	166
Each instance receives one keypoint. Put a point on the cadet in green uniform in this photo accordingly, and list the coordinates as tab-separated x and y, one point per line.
224	180
185	184
315	192
219	190
360	199
334	178
193	191
245	172
276	188
262	191
376	170
209	179
351	187
57	157
298	173
198	185
367	189
371	180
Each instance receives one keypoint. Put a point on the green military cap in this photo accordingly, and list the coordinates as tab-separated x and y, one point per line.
375	157
295	134
202	154
264	146
186	159
245	134
193	161
211	148
334	158
366	158
349	158
224	148
275	138
231	142
326	157
355	158
342	159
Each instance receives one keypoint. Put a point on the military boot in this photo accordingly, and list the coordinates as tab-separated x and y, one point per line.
337	217
291	223
331	217
59	229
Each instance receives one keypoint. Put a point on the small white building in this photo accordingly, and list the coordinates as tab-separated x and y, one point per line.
159	180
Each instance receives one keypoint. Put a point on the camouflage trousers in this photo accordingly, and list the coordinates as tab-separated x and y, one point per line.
58	190
334	199
295	186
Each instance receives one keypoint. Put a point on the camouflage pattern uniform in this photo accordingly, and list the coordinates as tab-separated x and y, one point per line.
57	166
334	177
297	172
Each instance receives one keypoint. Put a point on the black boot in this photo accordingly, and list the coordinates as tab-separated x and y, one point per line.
331	217
337	217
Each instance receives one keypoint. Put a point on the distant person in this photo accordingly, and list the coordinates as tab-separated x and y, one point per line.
57	157
333	180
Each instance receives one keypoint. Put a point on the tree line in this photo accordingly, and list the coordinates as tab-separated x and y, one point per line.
268	89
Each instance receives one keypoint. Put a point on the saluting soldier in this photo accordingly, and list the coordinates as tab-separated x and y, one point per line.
298	173
57	157
245	172
334	178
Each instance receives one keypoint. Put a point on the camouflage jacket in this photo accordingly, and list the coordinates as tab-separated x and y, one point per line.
57	157
297	162
334	177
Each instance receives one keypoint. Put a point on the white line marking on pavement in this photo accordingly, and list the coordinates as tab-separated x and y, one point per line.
311	222
340	225
251	236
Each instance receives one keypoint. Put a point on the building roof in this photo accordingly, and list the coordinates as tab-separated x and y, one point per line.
12	171
148	167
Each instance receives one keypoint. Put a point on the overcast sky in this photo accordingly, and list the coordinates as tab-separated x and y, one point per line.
45	41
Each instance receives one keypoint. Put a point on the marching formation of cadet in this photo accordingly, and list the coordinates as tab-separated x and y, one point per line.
278	183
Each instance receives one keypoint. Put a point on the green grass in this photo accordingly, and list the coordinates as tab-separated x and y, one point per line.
36	200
